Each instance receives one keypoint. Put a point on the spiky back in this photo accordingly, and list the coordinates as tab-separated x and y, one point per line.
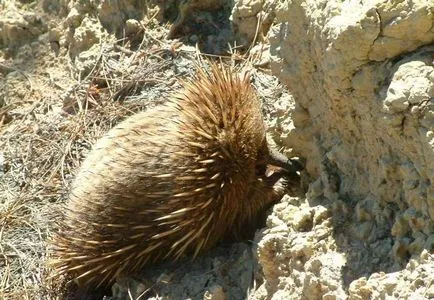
165	183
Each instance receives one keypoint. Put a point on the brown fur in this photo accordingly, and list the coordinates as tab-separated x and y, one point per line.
166	183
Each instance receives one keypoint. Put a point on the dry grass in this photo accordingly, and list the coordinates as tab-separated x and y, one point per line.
44	142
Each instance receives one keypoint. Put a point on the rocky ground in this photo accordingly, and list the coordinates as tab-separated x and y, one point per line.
347	85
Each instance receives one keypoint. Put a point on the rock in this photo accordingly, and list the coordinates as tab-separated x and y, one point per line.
114	13
18	27
215	293
84	37
363	87
251	20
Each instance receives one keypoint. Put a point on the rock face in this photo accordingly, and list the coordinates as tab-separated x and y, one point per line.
362	77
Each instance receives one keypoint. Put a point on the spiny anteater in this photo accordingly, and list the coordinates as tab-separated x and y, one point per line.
169	182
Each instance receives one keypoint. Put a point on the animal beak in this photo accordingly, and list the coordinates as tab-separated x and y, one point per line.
277	159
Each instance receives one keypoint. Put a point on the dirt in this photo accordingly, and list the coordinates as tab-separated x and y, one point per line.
348	87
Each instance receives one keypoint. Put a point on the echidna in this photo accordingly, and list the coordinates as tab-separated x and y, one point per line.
169	182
